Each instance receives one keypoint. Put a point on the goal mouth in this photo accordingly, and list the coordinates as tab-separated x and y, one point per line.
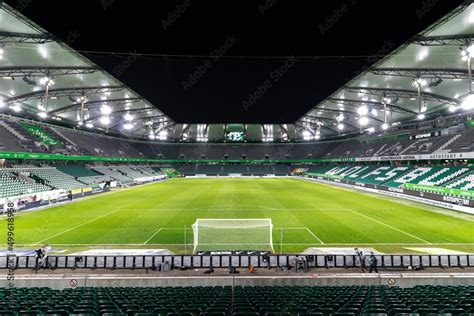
222	234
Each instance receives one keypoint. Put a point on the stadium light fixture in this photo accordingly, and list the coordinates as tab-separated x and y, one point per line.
317	136
162	135
43	115
384	126
363	121
421	116
105	120
105	109
340	117
363	110
453	108
468	102
128	117
419	82
15	108
128	126
371	129
89	125
466	55
340	126
2	103
374	112
47	81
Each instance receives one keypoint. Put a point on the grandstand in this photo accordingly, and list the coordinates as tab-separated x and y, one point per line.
362	205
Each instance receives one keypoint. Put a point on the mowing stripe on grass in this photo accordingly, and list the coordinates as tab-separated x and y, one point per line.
72	228
156	233
389	226
322	243
326	244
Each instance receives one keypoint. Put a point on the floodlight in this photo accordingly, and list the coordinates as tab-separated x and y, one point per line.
468	102
105	120
105	109
363	121
363	110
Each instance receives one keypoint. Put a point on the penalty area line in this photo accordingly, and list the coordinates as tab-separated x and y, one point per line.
389	226
320	241
72	228
156	233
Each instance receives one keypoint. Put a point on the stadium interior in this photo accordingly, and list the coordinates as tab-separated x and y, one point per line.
111	207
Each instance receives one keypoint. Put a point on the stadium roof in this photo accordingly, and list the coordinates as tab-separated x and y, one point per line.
424	78
43	78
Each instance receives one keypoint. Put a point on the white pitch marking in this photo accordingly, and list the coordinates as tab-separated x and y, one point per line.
80	225
389	226
152	236
322	243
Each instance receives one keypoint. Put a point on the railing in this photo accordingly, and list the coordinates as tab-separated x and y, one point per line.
168	262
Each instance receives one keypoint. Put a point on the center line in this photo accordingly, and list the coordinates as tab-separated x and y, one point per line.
389	226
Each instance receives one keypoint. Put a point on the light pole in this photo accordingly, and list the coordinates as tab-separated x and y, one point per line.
419	83
47	82
466	55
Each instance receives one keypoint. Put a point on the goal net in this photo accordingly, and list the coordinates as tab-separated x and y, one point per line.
232	234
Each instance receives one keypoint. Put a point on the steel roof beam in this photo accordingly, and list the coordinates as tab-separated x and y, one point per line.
29	38
137	119
65	92
435	73
73	106
402	93
333	120
441	40
378	105
321	126
40	71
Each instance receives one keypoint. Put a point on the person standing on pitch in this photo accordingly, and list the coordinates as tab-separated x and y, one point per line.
373	263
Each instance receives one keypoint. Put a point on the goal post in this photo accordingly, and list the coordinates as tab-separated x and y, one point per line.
218	234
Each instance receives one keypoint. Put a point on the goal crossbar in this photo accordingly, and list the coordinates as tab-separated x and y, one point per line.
223	234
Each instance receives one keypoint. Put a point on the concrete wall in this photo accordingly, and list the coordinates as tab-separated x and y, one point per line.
129	280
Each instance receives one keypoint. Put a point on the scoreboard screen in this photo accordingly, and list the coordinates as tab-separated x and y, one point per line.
235	137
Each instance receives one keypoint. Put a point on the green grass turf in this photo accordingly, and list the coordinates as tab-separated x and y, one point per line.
304	214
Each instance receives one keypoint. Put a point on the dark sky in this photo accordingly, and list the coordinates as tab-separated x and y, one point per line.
224	89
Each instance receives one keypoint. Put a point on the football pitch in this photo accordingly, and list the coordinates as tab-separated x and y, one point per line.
304	214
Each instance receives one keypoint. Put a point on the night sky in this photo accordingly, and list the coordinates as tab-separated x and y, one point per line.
233	84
